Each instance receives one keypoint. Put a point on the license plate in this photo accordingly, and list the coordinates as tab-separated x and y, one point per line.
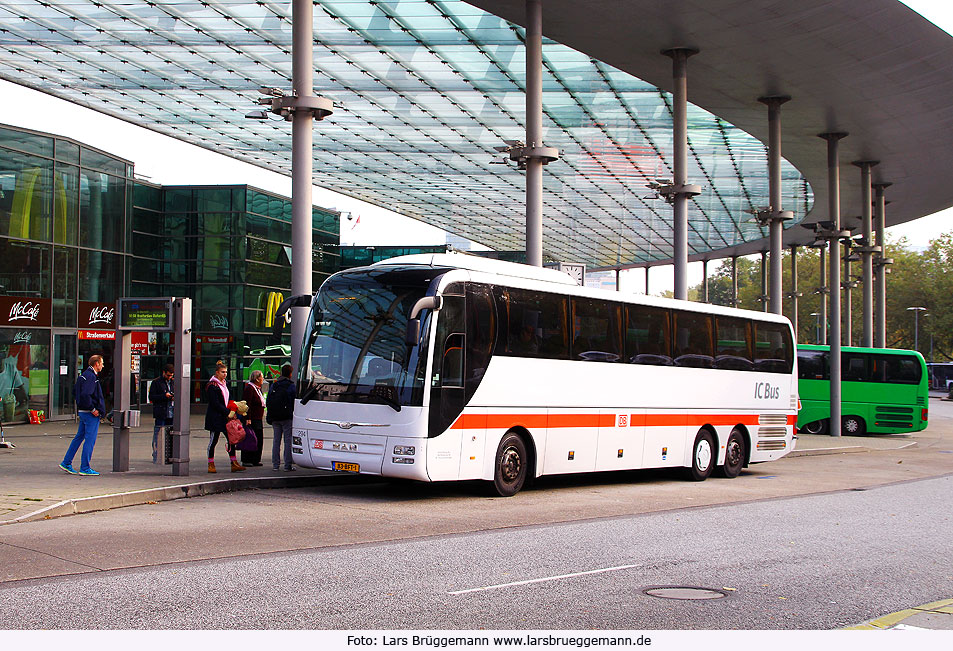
343	466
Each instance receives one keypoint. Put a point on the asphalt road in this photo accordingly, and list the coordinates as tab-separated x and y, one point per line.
817	562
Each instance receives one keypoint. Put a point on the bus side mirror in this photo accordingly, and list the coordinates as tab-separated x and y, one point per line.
282	314
412	334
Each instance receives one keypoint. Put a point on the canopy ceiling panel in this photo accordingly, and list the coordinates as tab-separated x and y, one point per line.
424	93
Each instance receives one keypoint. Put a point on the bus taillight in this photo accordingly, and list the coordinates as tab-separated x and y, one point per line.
923	414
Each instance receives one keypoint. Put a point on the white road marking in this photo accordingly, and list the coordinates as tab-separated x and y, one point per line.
544	579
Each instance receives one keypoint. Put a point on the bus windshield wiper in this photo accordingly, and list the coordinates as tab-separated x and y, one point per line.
312	390
384	400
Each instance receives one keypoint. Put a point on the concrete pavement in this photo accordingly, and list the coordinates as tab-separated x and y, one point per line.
35	489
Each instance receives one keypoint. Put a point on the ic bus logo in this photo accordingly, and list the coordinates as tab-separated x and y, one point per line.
21	311
101	315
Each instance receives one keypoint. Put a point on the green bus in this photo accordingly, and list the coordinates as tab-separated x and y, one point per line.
883	390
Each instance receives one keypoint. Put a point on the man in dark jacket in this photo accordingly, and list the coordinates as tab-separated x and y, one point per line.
161	397
281	405
90	405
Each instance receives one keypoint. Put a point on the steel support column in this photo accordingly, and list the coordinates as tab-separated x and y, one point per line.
647	281
734	281
704	297
534	155
680	191
794	294
764	281
833	236
848	285
880	321
774	215
867	250
534	131
823	291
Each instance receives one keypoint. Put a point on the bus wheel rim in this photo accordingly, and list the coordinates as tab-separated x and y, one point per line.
733	454
510	465
703	454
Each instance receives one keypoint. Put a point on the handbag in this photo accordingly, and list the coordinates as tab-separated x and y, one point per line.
235	432
250	442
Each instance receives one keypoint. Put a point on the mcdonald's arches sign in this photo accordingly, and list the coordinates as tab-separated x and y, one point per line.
269	302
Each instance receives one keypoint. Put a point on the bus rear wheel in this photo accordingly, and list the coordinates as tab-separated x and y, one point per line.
734	455
510	466
853	426
703	456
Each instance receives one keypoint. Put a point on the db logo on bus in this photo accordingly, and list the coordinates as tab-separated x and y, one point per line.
765	391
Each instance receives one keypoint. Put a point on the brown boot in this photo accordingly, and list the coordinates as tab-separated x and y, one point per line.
237	467
211	466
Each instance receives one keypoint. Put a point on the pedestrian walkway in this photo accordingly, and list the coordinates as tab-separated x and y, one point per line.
34	488
935	616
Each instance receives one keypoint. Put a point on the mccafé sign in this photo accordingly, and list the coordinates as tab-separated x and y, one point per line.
97	316
25	312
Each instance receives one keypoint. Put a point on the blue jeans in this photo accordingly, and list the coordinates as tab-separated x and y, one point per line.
86	434
282	429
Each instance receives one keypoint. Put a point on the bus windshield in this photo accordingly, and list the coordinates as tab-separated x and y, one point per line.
355	348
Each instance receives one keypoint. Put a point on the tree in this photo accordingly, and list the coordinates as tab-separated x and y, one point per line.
916	279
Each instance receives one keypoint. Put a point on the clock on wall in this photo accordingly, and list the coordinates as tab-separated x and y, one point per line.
576	271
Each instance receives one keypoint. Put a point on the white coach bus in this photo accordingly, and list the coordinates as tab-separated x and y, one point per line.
454	367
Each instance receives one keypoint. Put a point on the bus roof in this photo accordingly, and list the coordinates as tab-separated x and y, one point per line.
477	263
565	282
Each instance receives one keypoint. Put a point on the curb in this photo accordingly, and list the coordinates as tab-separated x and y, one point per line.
816	452
168	493
892	620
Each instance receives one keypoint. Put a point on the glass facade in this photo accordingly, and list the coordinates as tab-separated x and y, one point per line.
77	231
229	249
63	213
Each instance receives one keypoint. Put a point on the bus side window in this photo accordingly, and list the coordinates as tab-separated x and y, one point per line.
647	335
451	373
693	339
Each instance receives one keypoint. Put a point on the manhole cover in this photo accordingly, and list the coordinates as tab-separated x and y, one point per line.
686	593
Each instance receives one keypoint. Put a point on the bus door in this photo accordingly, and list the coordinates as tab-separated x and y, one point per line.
447	387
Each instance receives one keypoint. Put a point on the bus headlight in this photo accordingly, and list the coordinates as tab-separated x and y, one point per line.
406	450
296	440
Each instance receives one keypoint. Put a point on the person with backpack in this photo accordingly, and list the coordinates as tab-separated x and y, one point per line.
280	409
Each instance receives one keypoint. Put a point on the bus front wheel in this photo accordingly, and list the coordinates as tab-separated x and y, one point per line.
816	427
734	455
703	456
853	426
510	467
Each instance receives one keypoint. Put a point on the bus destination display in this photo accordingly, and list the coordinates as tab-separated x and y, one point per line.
145	313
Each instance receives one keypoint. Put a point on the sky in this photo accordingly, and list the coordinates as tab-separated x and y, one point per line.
167	161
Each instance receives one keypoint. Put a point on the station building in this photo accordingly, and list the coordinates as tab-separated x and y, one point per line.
78	230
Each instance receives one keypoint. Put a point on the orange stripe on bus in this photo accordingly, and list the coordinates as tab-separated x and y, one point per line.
551	421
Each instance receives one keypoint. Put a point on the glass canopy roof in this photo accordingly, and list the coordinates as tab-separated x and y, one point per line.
425	91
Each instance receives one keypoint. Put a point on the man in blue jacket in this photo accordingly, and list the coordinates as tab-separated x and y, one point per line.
90	405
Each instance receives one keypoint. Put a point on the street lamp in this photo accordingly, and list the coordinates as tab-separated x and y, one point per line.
916	325
817	327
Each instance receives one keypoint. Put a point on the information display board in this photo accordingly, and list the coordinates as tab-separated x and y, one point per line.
145	314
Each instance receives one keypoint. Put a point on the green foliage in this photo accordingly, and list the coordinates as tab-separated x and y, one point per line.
917	278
